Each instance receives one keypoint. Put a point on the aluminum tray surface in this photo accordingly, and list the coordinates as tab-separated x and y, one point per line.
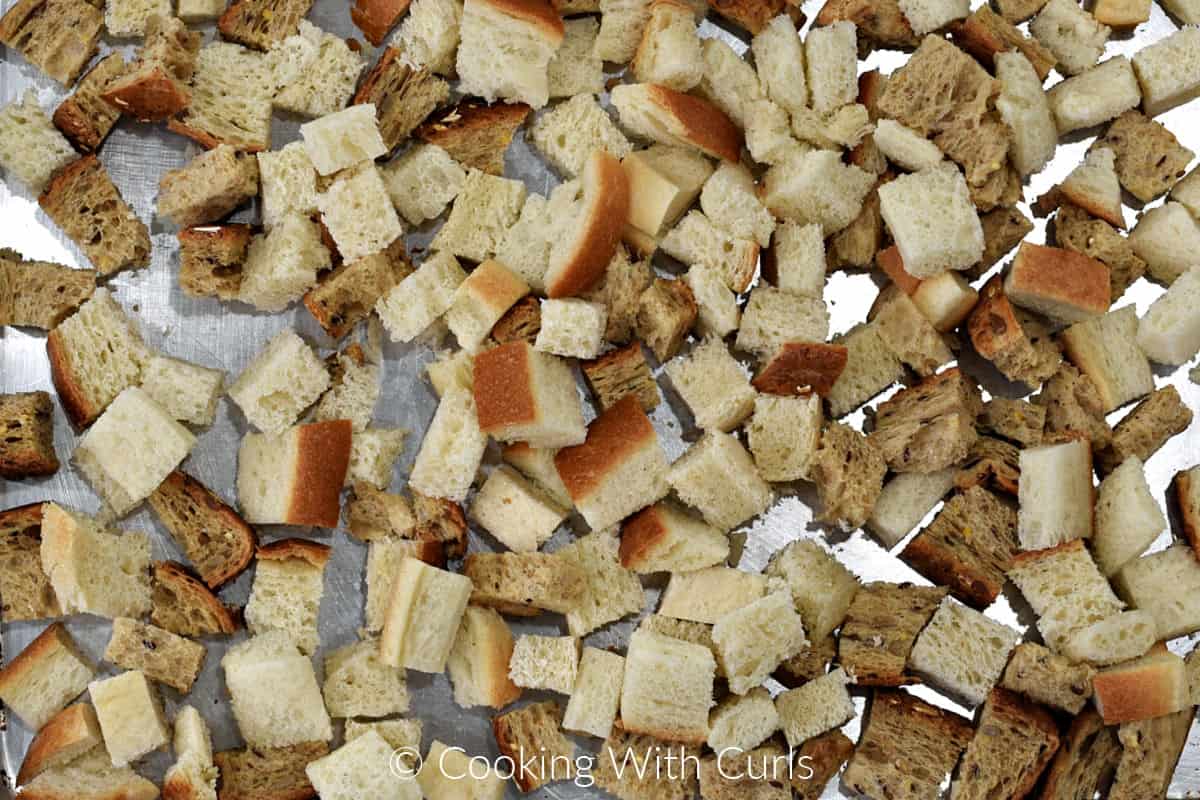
228	335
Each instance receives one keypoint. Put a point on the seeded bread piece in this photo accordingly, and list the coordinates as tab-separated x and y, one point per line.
182	604
826	754
159	654
59	37
525	584
1075	229
476	134
212	535
621	372
209	187
1013	744
27	446
277	773
1149	158
881	626
985	33
1147	428
1074	406
1048	678
41	294
849	473
651	784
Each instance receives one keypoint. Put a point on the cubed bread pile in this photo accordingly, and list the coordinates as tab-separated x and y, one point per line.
991	424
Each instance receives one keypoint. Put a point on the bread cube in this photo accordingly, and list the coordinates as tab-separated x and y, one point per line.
130	715
718	477
1169	332
419	299
517	71
445	769
1145	581
576	68
706	595
934	223
285	378
362	769
92	569
359	684
295	477
568	133
231	99
728	82
188	392
730	200
1101	93
661	188
622	372
821	587
752	641
742	722
1121	637
40	680
195	11
515	512
71	733
537	464
428	36
133	423
535	728
697	240
610	591
1072	34
870	368
1152	686
768	133
816	187
288	183
1095	186
1024	108
1060	284
358	213
128	18
784	434
1056	495
452	449
451	370
779	58
669	117
524	395
423	181
665	538
483	212
572	327
905	147
399	733
1105	349
621	24
669	52
818	706
945	300
1128	518
58	38
161	655
775	317
719	314
906	500
481	300
31	148
286	595
525	584
423	618
478	662
795	261
1165	237
545	662
666	312
343	139
962	651
1168	71
325	84
208	187
714	386
831	57
596	693
283	264
667	690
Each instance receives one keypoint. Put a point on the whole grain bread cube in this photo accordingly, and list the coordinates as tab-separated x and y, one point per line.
784	434
521	323
1073	405
283	264
423	181
752	641
610	591
131	716
1088	757
1167	71
881	625
362	769
962	651
31	149
596	695
821	587
1072	34
40	680
85	117
244	772
848	472
420	298
1101	93
986	34
930	426
516	72
27	449
423	617
1150	751
1104	349
924	212
525	395
706	595
358	213
486	207
620	289
1149	159
535	728
343	139
1076	229
284	379
622	372
288	183
289	580
525	584
474	133
774	317
816	188
159	654
667	690
452	449
1065	588
1128	519
231	99
575	67
622	744
478	662
26	590
358	683
214	538
514	511
545	662
909	333
1056	493
713	385
188	392
261	23
155	86
816	707
742	722
1186	487
1048	678
59	37
717	476
1164	237
1011	748
667	310
1141	582
295	477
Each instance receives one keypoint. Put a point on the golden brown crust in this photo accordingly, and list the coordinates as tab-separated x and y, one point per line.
150	95
699	121
70	732
606	199
376	17
640	535
892	265
475	133
753	15
1189	513
993	324
322	458
315	553
1148	688
1059	276
184	584
82	117
945	568
1033	556
229	525
28	450
536	12
878	21
29	660
799	368
502	381
75	402
611	438
207	140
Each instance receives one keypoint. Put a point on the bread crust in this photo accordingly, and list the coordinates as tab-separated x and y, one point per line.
892	264
606	197
1062	278
539	13
180	483
1154	686
29	660
640	535
149	95
993	324
315	553
612	437
502	387
78	407
753	15
69	731
1087	745
1038	728
322	458
177	575
72	118
376	17
985	33
475	133
1189	514
699	122
207	140
800	368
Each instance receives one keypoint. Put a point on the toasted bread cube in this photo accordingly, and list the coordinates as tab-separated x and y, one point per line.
94	570
784	434
934	222
325	84
1060	284
537	464
596	694
1165	237
283	264
426	608
752	641
545	662
514	511
295	477
706	595
481	300
343	139
714	386
524	395
667	310
718	313
59	37
161	655
288	182
1169	70
665	538
359	214
568	133
730	200
195	11
718	477
962	651
423	181
285	378
849	472
362	769
668	687
1103	92
622	372
129	18
1143	582
1148	687
816	707
452	449
231	99
131	716
610	591
1105	349
40	680
1122	13
945	300
1072	34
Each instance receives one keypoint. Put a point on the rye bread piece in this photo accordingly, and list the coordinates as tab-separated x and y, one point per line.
268	773
740	775
40	294
1150	749
535	728
993	464
849	472
215	539
163	656
1048	678
985	33
182	604
521	323
929	426
1186	493
621	372
1016	342
879	22
809	664
85	117
59	37
261	23
1150	160
906	749
881	626
525	584
826	754
476	134
968	547
346	295
1003	229
1073	407
156	86
1013	743
25	591
649	784
1076	229
1145	429
27	436
211	260
667	310
82	200
209	187
404	97
1085	760
798	368
1018	421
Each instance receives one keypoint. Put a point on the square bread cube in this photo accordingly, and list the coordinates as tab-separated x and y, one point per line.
481	300
364	768
697	240
818	706
186	391
452	449
1101	93
665	538
422	621
1105	349
1169	332
784	435
274	694
795	261
572	327
1072	34
288	183
324	84
668	687
663	183
831	57
815	187
343	139
610	591
295	477
753	640
719	314
49	673
525	395
1165	237
1043	577
568	133
31	148
423	181
1056	497
962	651
932	219
484	210
706	595
516	512
285	378
289	579
479	661
358	213
596	695
1128	518
446	772
774	317
518	71
131	449
576	68
545	662
359	684
127	19
282	264
742	722
93	569
714	386
130	715
160	654
622	372
1142	581
420	298
822	588
231	99
718	477
669	51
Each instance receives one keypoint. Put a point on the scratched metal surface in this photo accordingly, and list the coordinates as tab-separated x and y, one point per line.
227	336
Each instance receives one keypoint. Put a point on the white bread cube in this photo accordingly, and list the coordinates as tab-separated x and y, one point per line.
665	538
451	369
575	68
774	317
127	18
610	591
572	327
429	35
525	246
423	181
327	82
355	394
752	640
131	449
383	564
31	148
596	696
94	570
274	693
482	213
905	147
927	16
194	11
816	187
1105	349
718	313
820	705
446	773
343	139
621	25
1128	519
668	688
1025	109
906	500
779	58
769	133
697	240
362	769
718	477
516	70
1103	92
545	662
932	219
1065	589
523	395
707	595
49	673
1094	186
1187	192
295	477
655	113
568	133
820	585
359	214
423	617
289	580
359	684
282	264
1121	637
713	385
945	300
193	774
1167	584
186	391
658	196
784	434
1169	70
452	449
1169	333
962	651
420	298
730	200
288	183
740	723
1166	238
478	662
130	715
481	300
513	510
669	52
399	733
729	82
831	57
285	378
796	260
1055	494
1071	33
537	464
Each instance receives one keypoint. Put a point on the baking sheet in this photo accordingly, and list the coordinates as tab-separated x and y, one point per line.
227	336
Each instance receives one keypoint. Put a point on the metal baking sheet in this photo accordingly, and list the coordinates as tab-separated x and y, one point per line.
227	336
